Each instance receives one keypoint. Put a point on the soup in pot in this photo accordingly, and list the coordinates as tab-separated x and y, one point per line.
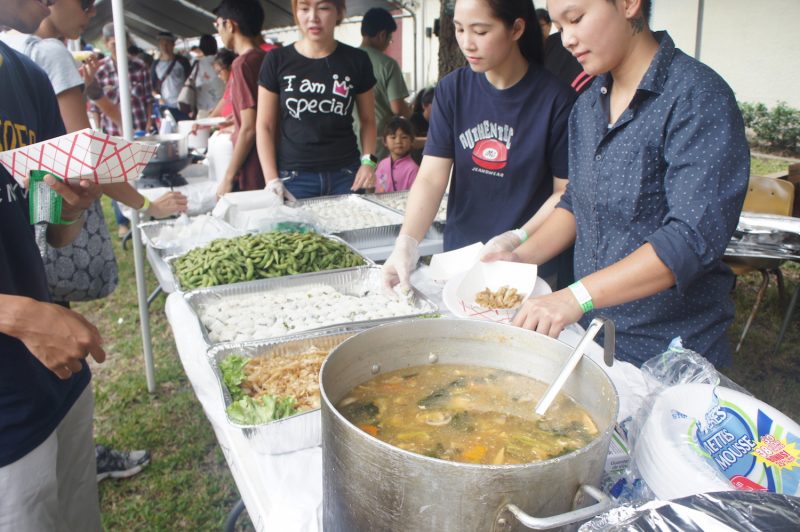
467	414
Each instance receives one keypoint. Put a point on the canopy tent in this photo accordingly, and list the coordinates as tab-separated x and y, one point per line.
145	18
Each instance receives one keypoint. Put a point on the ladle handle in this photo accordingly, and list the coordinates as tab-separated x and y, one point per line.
555	387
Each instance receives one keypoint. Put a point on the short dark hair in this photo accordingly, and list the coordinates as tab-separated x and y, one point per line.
225	58
398	122
377	20
543	15
647	8
208	45
247	14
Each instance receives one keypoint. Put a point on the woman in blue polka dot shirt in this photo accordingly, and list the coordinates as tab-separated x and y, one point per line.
658	169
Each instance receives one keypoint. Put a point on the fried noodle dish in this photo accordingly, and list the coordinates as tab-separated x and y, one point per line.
504	297
286	375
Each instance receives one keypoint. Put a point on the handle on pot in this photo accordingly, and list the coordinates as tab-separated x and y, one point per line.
543	523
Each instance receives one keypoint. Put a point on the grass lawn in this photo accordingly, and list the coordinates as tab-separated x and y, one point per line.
188	487
767	165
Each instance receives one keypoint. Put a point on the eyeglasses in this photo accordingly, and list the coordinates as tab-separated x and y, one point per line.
86	5
218	24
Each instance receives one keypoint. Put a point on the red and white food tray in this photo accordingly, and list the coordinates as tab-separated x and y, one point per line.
84	154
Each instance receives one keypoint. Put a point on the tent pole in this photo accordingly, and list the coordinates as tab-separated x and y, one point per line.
127	132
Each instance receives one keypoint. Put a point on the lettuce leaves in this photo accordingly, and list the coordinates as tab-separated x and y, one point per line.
247	410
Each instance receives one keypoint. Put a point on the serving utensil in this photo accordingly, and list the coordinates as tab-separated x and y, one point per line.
608	357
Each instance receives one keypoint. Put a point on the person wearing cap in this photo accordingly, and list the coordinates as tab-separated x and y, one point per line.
390	89
169	72
47	462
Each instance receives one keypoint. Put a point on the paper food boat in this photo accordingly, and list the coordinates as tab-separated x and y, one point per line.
85	154
444	266
495	275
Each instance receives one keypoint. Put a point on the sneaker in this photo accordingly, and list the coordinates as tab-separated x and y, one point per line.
119	464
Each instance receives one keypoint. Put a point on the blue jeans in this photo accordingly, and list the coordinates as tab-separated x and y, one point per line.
121	220
307	184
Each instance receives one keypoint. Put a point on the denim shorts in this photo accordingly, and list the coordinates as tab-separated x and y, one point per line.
309	184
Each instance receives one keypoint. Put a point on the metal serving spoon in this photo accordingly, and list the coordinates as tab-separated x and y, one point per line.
608	356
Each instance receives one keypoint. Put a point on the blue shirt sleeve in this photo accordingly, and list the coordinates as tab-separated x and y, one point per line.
558	147
441	141
708	169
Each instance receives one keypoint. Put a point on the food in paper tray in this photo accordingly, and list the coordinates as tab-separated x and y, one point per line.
336	216
261	256
271	387
255	316
84	154
82	55
504	297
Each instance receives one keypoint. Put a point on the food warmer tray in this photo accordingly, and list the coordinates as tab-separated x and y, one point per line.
293	433
349	282
369	237
391	199
367	263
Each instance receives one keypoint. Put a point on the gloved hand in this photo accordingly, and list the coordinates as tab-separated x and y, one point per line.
276	187
398	267
500	247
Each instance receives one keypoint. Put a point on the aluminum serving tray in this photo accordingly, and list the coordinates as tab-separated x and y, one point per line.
391	199
292	433
351	282
151	230
367	263
368	237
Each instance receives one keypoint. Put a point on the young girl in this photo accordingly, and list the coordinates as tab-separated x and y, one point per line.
659	167
397	171
304	125
502	121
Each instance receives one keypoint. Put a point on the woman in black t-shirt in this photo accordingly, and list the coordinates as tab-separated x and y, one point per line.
304	127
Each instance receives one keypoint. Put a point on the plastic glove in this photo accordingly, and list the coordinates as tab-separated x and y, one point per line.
168	204
276	187
499	247
396	271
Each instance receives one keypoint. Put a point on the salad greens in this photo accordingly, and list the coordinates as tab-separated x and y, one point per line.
248	410
259	410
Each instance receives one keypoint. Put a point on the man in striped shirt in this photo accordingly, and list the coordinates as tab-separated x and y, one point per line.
141	87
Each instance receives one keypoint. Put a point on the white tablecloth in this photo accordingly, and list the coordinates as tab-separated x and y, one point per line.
284	492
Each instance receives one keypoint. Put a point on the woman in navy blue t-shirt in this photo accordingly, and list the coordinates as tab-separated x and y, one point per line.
500	125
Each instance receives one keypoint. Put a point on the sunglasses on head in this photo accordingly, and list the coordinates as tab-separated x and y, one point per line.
86	5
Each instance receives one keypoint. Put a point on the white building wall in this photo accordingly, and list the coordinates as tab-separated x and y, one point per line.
753	44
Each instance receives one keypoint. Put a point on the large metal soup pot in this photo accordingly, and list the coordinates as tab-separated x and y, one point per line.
372	486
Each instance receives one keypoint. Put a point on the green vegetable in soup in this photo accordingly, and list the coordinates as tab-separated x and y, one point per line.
440	396
361	413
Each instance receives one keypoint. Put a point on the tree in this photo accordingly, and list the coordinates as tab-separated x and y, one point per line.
450	56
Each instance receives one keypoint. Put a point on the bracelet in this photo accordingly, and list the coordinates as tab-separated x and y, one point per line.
145	205
582	295
368	160
63	221
521	233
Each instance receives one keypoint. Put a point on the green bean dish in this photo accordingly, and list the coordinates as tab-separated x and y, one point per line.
261	256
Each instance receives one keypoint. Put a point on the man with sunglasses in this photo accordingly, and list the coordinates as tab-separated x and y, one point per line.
47	470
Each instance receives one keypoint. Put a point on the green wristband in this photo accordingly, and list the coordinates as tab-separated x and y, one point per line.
366	159
582	295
